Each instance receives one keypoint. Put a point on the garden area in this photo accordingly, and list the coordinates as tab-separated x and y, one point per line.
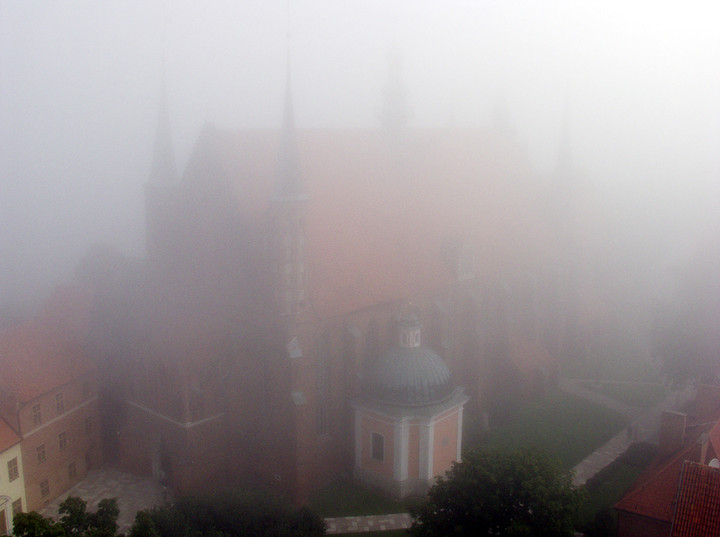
565	426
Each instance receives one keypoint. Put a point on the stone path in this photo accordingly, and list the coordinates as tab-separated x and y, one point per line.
643	427
134	493
358	524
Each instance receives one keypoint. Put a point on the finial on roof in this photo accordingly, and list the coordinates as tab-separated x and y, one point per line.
289	178
163	165
501	115
564	162
395	113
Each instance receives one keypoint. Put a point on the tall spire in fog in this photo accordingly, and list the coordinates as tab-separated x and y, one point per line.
289	178
163	164
563	170
501	115
395	113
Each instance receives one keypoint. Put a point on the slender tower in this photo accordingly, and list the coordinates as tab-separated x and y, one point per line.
160	187
287	227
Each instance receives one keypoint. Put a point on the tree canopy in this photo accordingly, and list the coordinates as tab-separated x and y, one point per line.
75	520
509	494
228	514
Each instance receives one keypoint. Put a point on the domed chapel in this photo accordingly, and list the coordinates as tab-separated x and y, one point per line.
408	420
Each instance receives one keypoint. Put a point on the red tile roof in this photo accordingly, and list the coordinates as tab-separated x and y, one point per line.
381	209
698	502
8	437
654	493
40	355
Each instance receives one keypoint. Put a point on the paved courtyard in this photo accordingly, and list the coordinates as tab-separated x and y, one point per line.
134	493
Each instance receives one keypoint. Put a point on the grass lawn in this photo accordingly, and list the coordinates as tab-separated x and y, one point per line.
639	395
565	426
343	498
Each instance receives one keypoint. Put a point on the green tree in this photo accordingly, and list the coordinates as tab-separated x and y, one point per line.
74	517
226	514
103	523
509	494
33	524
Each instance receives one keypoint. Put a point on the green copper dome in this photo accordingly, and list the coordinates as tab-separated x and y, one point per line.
409	373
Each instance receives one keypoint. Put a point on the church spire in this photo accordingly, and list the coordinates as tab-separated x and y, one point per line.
564	163
394	114
163	169
289	178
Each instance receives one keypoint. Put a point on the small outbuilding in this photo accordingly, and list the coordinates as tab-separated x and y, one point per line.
408	421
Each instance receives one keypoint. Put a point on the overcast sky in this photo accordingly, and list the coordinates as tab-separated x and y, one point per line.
80	82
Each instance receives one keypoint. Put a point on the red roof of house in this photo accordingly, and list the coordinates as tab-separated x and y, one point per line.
8	437
654	492
697	513
382	209
42	354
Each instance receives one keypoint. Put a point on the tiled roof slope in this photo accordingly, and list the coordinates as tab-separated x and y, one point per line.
8	438
698	502
654	492
382	209
47	352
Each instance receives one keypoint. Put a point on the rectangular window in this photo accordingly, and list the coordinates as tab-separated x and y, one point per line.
37	414
88	425
72	470
59	403
17	506
45	488
3	522
40	451
13	472
62	441
377	451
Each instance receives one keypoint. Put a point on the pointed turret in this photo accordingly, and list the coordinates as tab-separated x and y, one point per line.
289	184
160	188
163	169
563	171
395	113
287	231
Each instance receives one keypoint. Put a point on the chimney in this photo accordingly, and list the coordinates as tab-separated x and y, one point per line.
672	431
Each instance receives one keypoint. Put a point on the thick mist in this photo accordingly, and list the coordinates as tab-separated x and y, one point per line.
636	83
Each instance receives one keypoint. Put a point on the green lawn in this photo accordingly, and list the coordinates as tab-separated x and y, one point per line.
565	426
344	498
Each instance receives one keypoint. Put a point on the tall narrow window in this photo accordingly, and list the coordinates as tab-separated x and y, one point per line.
17	506
62	441
40	452
377	450
72	470
13	471
59	403
45	488
37	414
88	425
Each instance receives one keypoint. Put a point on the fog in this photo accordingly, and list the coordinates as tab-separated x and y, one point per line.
636	81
